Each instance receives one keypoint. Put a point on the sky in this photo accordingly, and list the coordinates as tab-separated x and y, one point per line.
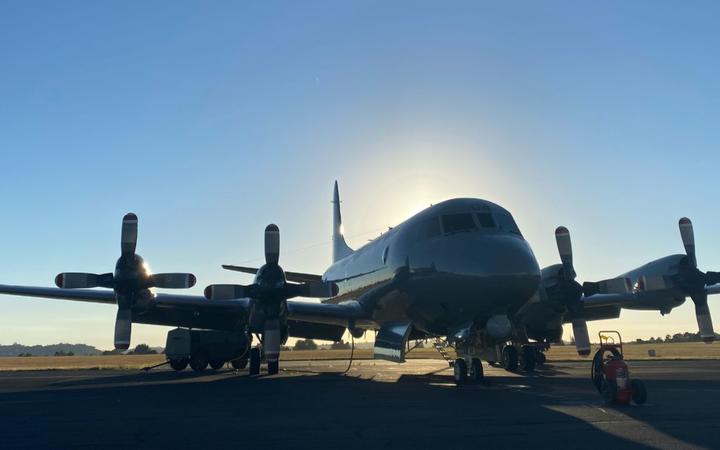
211	120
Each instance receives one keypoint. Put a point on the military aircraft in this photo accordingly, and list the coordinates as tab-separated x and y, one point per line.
459	271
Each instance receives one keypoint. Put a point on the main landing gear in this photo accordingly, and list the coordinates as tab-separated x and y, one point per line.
462	371
525	359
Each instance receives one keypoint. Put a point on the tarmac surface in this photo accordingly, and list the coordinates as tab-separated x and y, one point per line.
375	405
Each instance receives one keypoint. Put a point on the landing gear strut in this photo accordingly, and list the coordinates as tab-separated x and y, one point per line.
255	358
476	370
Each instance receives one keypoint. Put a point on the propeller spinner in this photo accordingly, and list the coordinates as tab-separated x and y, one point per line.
130	281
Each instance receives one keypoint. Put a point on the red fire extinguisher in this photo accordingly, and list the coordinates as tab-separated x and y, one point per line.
611	375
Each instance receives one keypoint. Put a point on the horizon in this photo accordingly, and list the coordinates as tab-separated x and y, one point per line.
211	122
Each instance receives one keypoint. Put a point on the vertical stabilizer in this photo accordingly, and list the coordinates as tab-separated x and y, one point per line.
340	248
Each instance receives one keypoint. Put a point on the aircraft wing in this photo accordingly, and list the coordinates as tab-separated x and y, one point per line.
81	295
297	277
306	319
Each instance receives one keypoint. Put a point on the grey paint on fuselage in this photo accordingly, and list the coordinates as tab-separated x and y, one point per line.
663	299
454	277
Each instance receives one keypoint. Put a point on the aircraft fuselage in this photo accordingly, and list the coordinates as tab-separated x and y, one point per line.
460	261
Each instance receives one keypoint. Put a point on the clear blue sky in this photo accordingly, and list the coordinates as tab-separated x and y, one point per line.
211	120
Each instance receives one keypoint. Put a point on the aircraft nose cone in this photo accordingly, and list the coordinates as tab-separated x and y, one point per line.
497	255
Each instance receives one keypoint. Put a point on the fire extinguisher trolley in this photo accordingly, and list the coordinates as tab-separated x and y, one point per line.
610	373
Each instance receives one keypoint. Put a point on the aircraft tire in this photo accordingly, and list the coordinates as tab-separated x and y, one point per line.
179	364
639	393
273	367
528	358
540	358
460	370
255	361
510	358
476	370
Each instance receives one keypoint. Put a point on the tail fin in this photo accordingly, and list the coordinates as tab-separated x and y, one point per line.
340	248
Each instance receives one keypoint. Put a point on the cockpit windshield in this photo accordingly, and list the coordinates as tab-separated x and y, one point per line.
455	223
507	223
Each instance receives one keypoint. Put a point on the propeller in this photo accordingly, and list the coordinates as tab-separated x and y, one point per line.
693	280
572	292
131	281
269	294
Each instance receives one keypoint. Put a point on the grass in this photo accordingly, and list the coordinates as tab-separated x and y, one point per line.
691	350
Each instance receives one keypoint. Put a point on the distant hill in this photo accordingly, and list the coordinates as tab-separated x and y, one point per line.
47	350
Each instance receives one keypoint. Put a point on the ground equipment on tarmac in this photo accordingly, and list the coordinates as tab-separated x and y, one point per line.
200	348
610	374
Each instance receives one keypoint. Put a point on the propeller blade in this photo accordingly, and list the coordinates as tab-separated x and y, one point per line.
272	244
582	338
688	238
320	289
226	291
79	280
272	340
704	320
123	328
564	245
172	280
128	238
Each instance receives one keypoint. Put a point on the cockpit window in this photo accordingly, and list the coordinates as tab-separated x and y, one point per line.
429	228
454	223
485	219
507	223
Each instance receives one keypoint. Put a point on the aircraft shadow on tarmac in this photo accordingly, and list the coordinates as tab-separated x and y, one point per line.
232	409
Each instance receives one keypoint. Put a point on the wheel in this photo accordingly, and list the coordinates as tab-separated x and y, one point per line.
528	358
179	364
510	358
460	370
273	367
639	393
540	358
596	371
198	361
609	392
255	361
476	370
217	363
238	364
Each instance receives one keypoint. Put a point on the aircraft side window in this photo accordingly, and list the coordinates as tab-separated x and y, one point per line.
455	223
507	223
385	254
429	228
485	219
